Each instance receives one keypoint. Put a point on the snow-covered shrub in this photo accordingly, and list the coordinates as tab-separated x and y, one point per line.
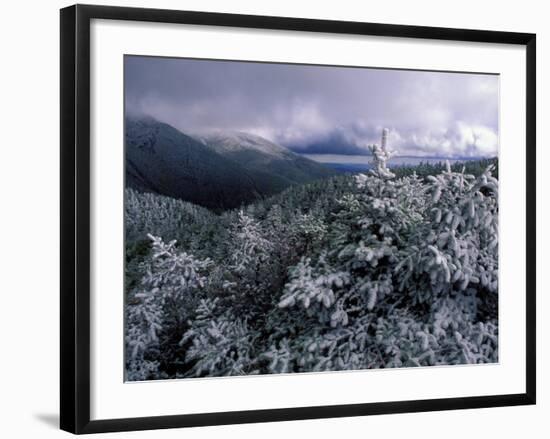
250	247
218	344
158	311
249	270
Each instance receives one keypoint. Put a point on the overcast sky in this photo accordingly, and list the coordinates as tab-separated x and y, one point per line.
333	110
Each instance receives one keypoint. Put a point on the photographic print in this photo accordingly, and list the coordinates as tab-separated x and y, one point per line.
288	218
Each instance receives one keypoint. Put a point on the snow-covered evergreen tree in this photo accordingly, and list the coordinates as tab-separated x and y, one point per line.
250	248
161	306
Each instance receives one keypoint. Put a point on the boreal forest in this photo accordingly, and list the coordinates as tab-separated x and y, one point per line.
242	258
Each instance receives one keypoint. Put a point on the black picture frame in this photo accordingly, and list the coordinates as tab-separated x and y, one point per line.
75	217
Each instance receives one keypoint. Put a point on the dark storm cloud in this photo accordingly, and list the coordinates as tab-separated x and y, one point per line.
326	109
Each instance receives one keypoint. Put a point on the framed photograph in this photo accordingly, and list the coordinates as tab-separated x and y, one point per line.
268	218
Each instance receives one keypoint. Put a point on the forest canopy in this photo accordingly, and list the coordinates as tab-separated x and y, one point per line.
394	268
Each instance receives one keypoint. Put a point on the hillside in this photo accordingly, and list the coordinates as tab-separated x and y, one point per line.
272	161
162	160
218	174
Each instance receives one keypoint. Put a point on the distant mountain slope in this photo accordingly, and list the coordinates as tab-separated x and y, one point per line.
259	155
220	174
163	160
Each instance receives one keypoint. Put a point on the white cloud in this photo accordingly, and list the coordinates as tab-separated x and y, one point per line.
458	140
429	113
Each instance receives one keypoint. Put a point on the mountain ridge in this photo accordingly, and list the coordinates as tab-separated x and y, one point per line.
258	154
216	172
